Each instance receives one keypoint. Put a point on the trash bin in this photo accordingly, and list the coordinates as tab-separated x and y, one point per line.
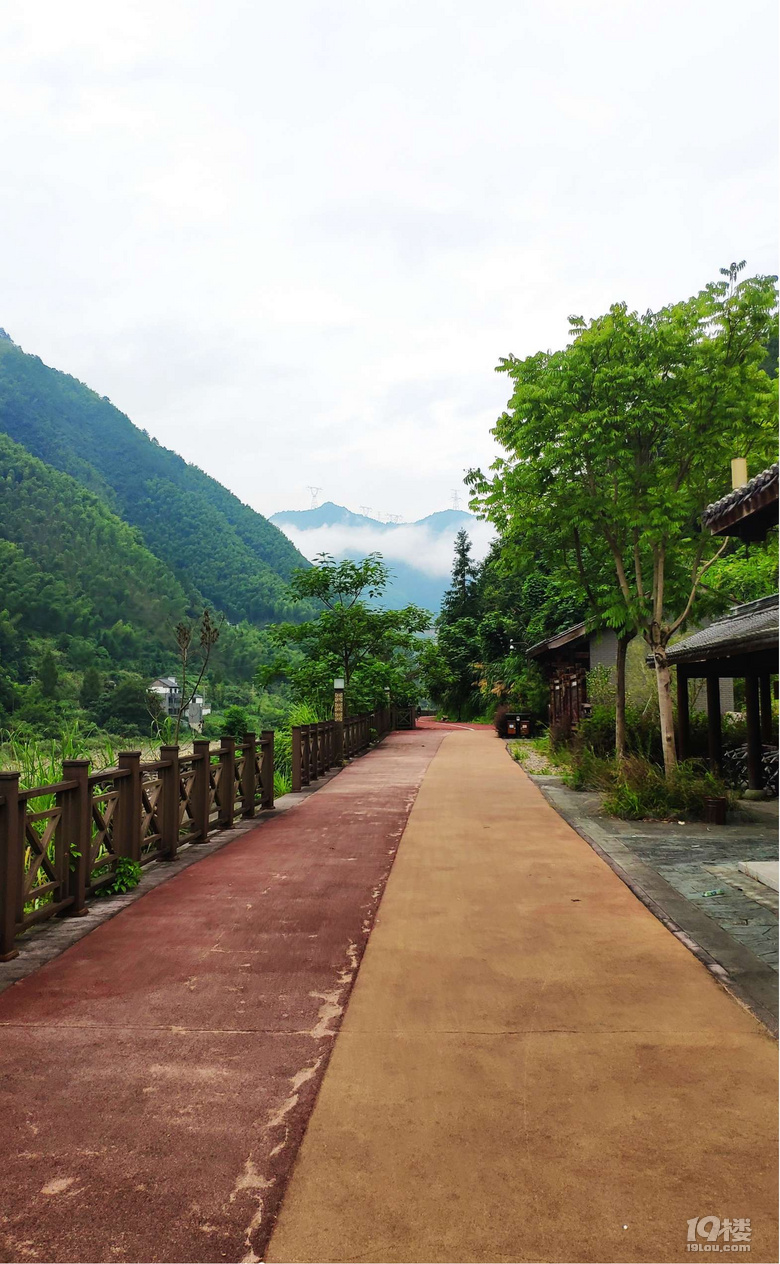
715	811
525	724
519	724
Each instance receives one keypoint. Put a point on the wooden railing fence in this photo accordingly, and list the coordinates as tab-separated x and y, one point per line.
60	843
316	748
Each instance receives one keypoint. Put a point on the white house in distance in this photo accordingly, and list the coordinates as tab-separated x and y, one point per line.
168	691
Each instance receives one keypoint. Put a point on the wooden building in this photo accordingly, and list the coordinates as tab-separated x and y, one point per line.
744	645
565	661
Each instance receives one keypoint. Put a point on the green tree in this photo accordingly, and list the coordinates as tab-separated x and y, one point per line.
623	439
91	688
48	674
450	667
461	600
235	723
128	709
367	647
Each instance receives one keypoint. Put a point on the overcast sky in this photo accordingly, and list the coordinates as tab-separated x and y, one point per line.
292	239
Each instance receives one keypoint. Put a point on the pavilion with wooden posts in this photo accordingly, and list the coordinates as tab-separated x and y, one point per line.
744	645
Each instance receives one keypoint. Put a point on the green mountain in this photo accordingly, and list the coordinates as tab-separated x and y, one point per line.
71	566
220	551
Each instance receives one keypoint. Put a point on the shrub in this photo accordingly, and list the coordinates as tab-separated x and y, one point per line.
588	771
499	719
641	790
560	734
601	685
597	732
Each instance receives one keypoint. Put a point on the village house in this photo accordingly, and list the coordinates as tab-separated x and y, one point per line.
168	690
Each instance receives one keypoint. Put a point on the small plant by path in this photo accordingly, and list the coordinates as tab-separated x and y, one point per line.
127	875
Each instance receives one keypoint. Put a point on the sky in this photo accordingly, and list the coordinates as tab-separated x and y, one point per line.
292	240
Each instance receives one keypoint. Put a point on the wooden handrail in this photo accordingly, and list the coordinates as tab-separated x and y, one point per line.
56	859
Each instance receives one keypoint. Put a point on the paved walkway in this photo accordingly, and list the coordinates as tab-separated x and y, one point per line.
531	1067
528	1063
678	865
158	1075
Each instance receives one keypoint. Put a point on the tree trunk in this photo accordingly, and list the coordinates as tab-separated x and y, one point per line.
623	643
666	711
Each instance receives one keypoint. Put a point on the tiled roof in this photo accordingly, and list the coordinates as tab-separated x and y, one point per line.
753	626
574	633
743	500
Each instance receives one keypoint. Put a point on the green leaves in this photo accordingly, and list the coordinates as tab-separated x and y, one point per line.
341	583
127	875
616	444
372	649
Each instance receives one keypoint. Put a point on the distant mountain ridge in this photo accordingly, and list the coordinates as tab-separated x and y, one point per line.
220	550
332	515
335	529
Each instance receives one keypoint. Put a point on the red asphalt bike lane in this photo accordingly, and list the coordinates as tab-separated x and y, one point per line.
159	1075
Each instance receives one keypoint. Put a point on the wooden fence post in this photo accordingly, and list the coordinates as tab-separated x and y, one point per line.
314	757
201	748
295	757
267	769
129	805
171	802
76	826
249	775
227	782
754	746
10	863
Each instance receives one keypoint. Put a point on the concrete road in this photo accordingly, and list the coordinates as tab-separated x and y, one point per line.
531	1067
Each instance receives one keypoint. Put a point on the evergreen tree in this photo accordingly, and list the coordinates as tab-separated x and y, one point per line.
91	687
48	675
461	600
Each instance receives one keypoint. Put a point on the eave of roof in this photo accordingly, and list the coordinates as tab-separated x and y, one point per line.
747	629
756	497
574	633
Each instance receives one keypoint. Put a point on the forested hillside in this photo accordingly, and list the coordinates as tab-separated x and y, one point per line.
85	607
71	565
217	546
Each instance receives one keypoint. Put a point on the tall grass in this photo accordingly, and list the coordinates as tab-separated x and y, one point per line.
39	759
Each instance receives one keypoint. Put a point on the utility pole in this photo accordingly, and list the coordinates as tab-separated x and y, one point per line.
315	495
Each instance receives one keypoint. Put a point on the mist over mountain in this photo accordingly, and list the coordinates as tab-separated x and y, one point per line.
418	553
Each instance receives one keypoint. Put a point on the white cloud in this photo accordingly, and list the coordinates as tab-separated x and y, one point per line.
428	551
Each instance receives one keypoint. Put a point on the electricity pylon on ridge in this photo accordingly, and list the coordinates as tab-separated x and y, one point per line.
455	499
315	494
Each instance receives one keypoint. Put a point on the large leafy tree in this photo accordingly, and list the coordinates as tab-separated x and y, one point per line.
370	648
618	443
